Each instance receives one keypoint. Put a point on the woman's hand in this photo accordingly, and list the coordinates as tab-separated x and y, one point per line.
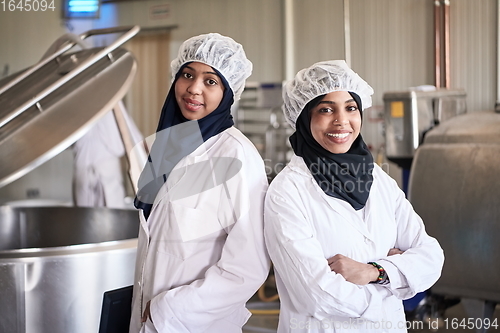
394	251
147	313
353	271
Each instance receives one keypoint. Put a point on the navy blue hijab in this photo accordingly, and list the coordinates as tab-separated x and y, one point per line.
173	142
346	176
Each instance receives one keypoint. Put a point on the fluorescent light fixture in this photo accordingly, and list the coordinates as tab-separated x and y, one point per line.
81	8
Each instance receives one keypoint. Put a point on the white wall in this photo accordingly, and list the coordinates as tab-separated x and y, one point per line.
24	36
473	42
257	24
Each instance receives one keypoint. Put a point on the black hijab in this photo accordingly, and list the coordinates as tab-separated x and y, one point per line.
346	176
177	137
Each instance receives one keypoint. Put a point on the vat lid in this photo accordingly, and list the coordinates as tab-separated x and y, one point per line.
44	109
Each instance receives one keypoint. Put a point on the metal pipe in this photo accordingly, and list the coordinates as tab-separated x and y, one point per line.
347	33
497	104
437	42
136	156
132	31
106	31
289	41
446	32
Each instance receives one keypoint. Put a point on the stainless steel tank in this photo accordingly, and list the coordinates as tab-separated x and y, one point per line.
455	188
56	263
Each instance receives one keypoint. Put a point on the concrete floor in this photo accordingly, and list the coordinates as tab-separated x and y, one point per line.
267	323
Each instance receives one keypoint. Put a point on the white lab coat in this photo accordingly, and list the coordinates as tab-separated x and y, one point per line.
201	255
304	227
97	170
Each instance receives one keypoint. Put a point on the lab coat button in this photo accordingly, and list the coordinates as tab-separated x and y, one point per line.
367	240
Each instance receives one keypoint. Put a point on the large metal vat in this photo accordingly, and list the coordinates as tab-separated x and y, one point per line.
56	263
455	187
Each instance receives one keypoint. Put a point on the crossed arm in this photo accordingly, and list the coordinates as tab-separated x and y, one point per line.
354	271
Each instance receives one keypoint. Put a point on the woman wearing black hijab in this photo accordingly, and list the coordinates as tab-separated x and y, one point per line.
346	245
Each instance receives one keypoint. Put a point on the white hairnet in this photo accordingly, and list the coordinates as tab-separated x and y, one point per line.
319	79
219	52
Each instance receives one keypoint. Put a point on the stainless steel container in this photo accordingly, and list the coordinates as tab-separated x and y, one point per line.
455	187
410	114
56	263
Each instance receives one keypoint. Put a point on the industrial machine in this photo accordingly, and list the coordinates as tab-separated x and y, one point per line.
260	118
410	113
56	262
454	187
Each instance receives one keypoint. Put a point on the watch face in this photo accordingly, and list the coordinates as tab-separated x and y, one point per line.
384	280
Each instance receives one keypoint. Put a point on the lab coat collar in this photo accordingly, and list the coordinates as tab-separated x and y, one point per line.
297	164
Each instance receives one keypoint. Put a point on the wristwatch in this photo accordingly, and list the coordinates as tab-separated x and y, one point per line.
382	276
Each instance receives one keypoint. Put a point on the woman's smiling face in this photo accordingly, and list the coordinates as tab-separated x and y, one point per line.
336	122
198	90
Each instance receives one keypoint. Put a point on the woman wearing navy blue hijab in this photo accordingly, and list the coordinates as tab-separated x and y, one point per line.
170	147
201	252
